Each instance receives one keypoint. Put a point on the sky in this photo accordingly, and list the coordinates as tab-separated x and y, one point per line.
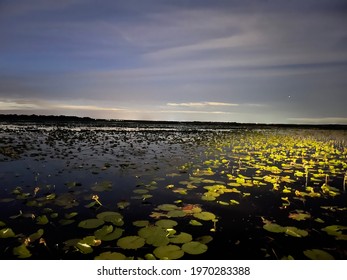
257	61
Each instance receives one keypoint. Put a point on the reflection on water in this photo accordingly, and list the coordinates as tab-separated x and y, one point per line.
50	177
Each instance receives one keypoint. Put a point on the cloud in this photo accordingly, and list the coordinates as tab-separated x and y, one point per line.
196	112
328	120
201	104
29	105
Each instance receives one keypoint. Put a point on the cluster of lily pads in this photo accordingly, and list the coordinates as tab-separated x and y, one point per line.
204	184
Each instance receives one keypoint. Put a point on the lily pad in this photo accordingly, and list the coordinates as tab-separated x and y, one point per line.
272	227
168	252
91	223
206	216
2	224
194	248
334	230
84	248
100	233
295	232
195	223
123	204
110	256
107	233
71	215
6	233
168	207
21	252
176	213
299	216
150	257
131	242
65	222
181	238
204	239
118	232
166	223
141	223
112	217
37	235
102	186
154	235
317	254
42	220
140	191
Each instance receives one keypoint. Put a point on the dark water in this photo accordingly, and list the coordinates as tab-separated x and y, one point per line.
71	162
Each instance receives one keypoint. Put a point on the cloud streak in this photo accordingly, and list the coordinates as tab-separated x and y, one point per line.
202	104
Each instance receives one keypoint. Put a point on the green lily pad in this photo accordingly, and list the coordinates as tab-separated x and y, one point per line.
195	223
299	216
319	220
102	186
110	256
272	227
90	240
66	200
142	223
140	191
112	217
65	222
84	248
317	254
168	207
2	224
50	196
166	223
335	230
176	213
71	215
181	238
204	239
21	252
90	205
194	248
208	197
123	204
295	232
146	196
106	229
118	232
6	233
206	216
42	220
32	203
37	235
54	215
169	252
131	242
107	233
154	235
91	223
150	257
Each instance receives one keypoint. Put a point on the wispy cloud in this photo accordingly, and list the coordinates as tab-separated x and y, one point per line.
201	104
20	104
196	112
329	120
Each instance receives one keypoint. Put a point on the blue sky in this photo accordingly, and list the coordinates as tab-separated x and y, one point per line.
245	61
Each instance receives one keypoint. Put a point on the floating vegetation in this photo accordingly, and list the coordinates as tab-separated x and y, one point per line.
317	254
131	242
168	252
110	256
118	192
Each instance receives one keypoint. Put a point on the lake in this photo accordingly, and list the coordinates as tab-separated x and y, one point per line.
172	191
